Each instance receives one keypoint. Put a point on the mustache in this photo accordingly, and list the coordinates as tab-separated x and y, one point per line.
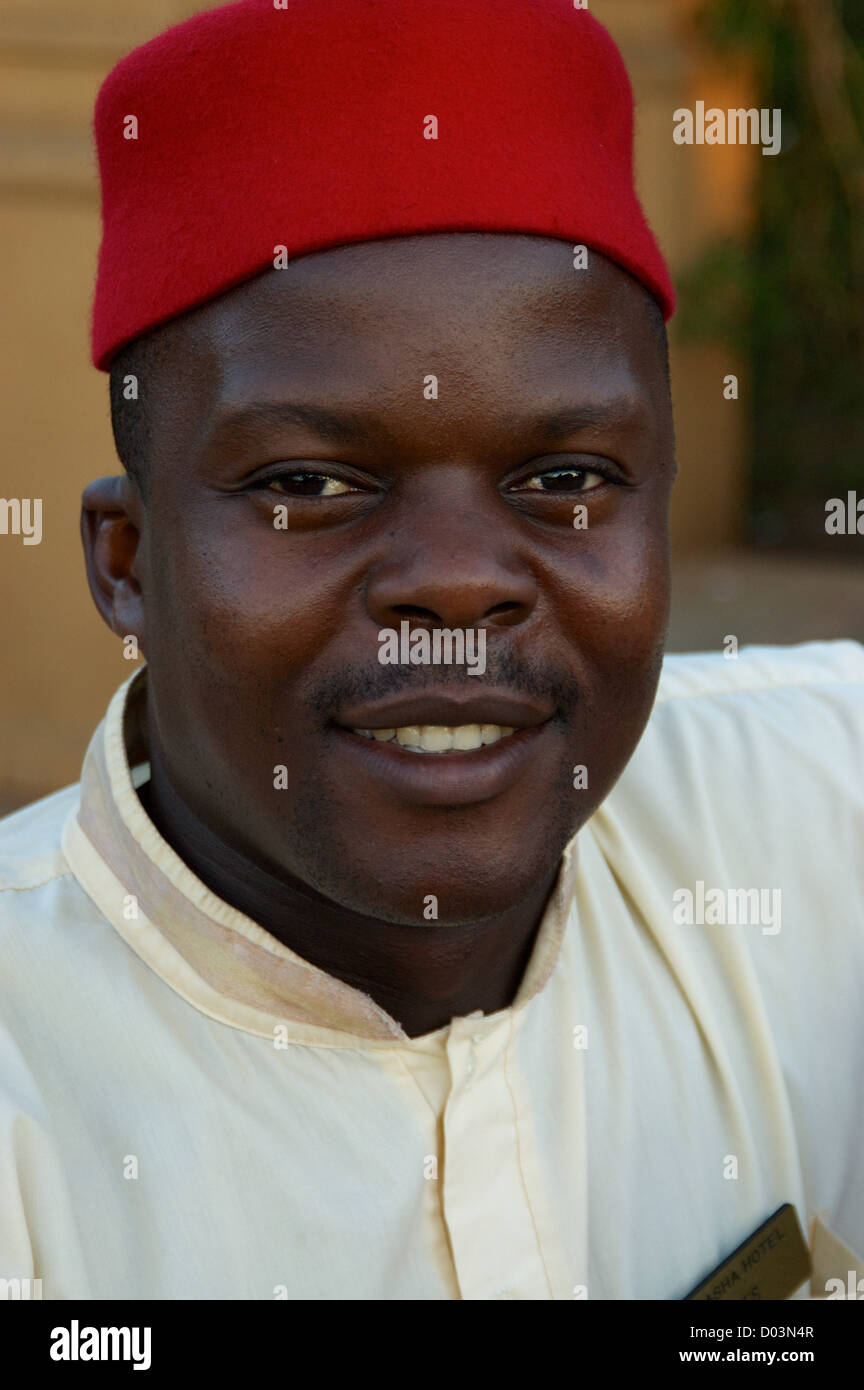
505	671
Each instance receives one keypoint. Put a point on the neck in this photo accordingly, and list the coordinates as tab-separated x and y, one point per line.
422	977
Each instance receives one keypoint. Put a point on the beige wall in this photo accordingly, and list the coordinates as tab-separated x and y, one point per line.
59	663
691	195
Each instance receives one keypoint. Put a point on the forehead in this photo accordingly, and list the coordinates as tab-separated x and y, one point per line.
507	324
463	296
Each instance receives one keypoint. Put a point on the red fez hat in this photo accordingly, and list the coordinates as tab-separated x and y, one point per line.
308	124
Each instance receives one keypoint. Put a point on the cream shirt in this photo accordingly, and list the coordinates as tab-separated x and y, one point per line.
188	1110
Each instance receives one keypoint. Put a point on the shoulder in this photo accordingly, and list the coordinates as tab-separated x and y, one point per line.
31	852
36	887
763	753
774	706
735	833
835	668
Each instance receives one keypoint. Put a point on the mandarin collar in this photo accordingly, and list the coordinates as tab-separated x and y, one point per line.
222	962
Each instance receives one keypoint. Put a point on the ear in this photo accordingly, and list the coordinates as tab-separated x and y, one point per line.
111	519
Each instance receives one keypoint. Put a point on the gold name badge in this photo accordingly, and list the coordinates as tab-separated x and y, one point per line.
770	1264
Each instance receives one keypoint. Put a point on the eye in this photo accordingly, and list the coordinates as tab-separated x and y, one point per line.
302	483
565	480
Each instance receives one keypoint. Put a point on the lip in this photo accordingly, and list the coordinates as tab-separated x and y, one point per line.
442	779
450	708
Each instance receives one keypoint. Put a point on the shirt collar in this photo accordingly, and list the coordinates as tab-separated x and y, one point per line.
215	957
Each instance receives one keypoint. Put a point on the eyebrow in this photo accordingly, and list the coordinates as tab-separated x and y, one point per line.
346	426
338	426
620	410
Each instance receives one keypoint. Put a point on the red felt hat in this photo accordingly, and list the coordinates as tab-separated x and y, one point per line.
308	124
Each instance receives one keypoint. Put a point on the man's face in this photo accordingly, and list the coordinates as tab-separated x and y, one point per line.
304	397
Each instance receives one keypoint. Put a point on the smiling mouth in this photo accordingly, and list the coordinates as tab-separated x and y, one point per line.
440	738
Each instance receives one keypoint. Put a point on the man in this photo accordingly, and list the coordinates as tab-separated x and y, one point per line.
341	977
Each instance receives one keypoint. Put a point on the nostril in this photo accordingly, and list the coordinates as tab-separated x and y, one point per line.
410	610
415	613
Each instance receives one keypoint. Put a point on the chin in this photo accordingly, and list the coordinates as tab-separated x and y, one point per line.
454	889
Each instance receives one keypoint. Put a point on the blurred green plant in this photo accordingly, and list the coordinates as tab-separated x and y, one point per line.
790	298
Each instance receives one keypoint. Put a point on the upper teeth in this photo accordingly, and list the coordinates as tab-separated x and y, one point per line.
439	738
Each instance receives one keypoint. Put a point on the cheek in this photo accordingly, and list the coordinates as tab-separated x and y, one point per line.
241	608
614	609
614	600
239	622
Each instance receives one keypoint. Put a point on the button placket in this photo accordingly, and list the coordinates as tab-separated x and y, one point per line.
484	1201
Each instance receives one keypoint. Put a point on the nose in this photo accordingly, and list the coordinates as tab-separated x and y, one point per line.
452	561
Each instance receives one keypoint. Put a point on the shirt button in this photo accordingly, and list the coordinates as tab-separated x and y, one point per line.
477	1038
